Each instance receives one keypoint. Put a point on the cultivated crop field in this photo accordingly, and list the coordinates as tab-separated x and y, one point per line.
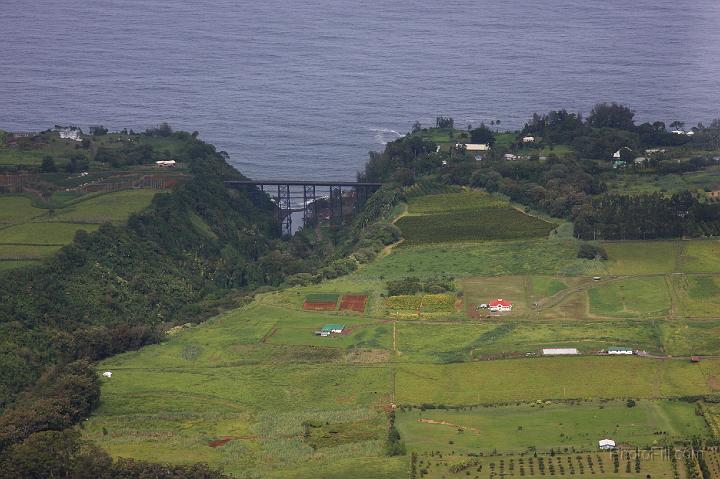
425	306
598	465
467	216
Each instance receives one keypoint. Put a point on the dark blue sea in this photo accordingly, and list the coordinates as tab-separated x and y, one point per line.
305	88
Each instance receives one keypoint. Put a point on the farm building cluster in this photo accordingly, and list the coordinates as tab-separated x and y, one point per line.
329	329
497	306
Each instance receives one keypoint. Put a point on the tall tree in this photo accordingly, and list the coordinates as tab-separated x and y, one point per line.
611	115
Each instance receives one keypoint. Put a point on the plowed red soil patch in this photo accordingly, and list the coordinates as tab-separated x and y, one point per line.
307	305
353	302
219	442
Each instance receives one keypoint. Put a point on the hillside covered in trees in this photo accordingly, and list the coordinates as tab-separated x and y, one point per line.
564	165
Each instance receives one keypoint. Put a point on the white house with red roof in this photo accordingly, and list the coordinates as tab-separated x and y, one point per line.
500	305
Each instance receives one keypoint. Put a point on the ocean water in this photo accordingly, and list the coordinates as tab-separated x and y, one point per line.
303	89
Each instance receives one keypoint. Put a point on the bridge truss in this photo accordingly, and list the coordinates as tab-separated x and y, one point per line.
316	201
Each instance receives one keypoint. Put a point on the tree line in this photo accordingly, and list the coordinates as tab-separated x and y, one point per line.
647	216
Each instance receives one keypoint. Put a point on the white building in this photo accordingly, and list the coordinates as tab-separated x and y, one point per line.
606	444
500	305
617	154
70	134
510	156
165	164
560	351
473	146
620	351
528	139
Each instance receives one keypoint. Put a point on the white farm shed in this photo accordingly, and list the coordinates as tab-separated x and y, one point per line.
606	444
560	351
474	146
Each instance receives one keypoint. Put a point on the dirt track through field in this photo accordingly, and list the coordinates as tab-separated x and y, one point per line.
449	424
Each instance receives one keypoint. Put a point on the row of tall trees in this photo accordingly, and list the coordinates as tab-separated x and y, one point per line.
648	216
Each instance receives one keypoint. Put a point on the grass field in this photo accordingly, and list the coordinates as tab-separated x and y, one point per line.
55	234
657	257
552	378
254	375
113	207
451	343
689	337
630	298
490	258
17	209
29	232
549	426
698	296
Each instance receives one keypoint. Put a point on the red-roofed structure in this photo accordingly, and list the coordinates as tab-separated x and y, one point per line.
500	305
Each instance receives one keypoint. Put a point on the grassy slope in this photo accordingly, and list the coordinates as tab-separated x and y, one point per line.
256	374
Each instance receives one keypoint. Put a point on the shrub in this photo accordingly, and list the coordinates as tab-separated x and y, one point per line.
591	251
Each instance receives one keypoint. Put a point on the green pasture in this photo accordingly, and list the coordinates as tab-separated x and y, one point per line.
549	426
372	335
30	152
629	298
17	209
30	232
225	378
690	337
53	234
546	286
701	256
490	258
633	183
658	257
513	380
698	295
257	334
108	207
641	257
451	343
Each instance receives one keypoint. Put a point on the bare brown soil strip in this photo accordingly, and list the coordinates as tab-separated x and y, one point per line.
308	306
449	424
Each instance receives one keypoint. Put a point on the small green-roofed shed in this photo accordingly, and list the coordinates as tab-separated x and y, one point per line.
333	328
